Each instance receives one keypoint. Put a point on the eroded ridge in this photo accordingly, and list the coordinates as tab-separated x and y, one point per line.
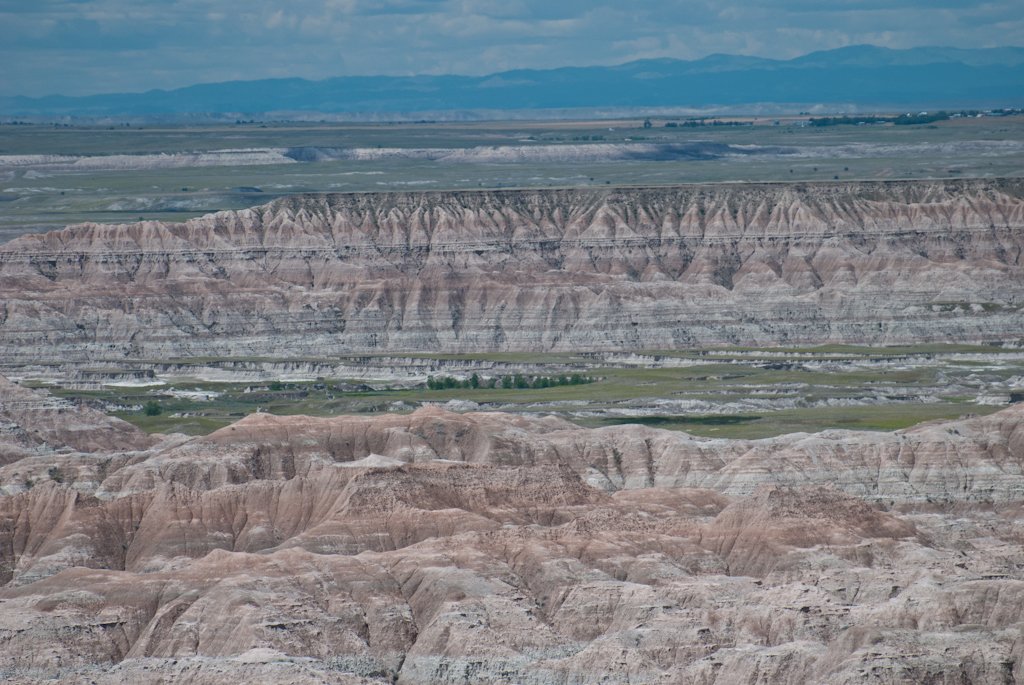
436	547
544	270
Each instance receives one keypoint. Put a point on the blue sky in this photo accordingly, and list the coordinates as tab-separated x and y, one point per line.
96	46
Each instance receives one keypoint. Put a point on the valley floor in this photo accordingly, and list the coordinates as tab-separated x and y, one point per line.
735	393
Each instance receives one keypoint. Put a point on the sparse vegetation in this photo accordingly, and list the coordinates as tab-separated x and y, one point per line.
722	376
114	196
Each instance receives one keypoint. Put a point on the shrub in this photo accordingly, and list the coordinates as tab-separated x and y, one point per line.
910	119
151	408
837	121
449	383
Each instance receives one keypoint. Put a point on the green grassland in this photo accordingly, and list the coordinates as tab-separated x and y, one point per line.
169	138
50	199
791	389
749	427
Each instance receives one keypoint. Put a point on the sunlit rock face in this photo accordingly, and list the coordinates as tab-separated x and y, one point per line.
436	547
529	270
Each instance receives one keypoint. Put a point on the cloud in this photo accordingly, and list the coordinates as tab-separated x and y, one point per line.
280	20
75	48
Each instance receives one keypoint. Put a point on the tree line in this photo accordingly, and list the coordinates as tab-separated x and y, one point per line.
901	120
695	123
516	382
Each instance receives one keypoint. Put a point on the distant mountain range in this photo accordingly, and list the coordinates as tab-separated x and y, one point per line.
861	73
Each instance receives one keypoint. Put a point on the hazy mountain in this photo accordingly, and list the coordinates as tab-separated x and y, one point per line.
860	73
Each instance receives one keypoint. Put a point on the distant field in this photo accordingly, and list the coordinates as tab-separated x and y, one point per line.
734	393
38	197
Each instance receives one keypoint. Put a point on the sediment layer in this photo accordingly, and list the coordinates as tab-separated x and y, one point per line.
529	270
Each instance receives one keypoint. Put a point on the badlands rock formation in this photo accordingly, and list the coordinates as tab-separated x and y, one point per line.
582	269
492	548
33	424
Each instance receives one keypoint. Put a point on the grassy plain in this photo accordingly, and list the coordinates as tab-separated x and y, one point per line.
48	199
715	393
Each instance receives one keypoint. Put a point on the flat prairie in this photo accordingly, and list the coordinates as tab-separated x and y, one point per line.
54	176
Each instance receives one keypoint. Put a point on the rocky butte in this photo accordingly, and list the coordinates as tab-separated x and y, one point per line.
529	270
491	548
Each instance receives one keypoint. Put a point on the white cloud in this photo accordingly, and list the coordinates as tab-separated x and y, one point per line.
278	19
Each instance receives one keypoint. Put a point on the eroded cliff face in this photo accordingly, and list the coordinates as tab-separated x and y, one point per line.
584	269
492	548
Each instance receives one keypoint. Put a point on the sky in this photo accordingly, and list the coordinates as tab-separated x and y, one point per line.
81	47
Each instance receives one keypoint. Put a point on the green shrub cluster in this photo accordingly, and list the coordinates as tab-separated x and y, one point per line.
901	120
517	382
695	123
908	119
837	121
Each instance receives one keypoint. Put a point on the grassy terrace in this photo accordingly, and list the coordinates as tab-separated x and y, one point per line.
715	393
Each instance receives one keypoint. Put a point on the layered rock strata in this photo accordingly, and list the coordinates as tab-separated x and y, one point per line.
491	548
36	424
582	269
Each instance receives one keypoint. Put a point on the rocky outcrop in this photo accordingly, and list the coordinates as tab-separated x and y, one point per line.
973	460
33	423
754	533
583	269
442	548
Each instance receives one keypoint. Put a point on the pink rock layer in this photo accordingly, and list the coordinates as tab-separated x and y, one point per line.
493	548
538	270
